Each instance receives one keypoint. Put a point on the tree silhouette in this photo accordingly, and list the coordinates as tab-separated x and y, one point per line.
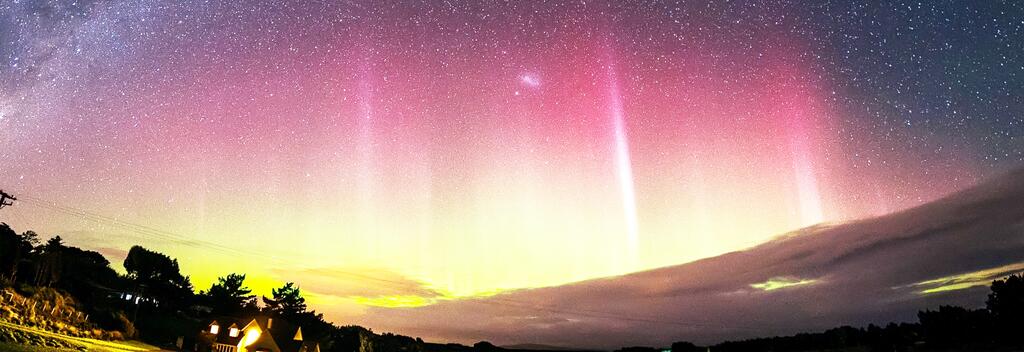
1006	304
229	296
157	275
287	301
10	248
49	269
23	254
87	274
954	326
684	346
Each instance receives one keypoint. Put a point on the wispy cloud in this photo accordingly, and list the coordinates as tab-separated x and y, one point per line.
365	286
968	280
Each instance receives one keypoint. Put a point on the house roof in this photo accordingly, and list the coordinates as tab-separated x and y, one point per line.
283	333
278	332
224	332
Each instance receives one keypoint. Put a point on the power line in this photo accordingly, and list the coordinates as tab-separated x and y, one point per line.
138	231
143	231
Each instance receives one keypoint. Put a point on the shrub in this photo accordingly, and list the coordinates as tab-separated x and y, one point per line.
126	325
115	336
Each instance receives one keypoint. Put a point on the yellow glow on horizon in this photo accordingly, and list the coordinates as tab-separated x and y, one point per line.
954	287
776	283
484	266
396	301
968	280
514	227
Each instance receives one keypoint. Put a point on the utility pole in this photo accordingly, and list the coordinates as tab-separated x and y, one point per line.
6	199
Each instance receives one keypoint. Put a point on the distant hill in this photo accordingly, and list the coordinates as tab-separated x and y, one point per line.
868	271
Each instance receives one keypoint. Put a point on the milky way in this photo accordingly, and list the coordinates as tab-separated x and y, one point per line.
468	147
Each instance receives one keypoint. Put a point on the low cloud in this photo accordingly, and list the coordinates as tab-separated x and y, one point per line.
366	286
869	271
114	255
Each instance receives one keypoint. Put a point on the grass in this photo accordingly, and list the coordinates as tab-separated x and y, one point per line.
87	344
10	347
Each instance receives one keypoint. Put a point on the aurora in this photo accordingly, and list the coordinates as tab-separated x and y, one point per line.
391	158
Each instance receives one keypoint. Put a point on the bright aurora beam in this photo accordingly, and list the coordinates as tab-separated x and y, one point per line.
624	170
808	190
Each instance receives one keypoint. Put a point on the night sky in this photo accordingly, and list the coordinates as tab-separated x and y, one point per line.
464	148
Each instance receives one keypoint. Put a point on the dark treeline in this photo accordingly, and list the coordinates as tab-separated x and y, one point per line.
997	327
27	263
153	301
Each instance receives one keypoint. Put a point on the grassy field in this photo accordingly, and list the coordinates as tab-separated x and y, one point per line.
66	343
25	348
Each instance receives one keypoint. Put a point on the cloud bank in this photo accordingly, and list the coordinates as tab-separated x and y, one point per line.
870	271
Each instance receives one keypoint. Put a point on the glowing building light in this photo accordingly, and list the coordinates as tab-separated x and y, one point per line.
250	337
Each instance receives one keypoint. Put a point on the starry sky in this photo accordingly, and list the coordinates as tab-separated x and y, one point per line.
401	153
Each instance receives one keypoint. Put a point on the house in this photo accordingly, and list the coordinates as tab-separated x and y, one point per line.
259	334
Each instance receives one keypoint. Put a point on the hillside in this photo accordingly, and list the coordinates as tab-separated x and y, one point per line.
48	320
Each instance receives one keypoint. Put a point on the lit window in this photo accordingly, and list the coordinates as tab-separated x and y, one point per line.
233	332
214	329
